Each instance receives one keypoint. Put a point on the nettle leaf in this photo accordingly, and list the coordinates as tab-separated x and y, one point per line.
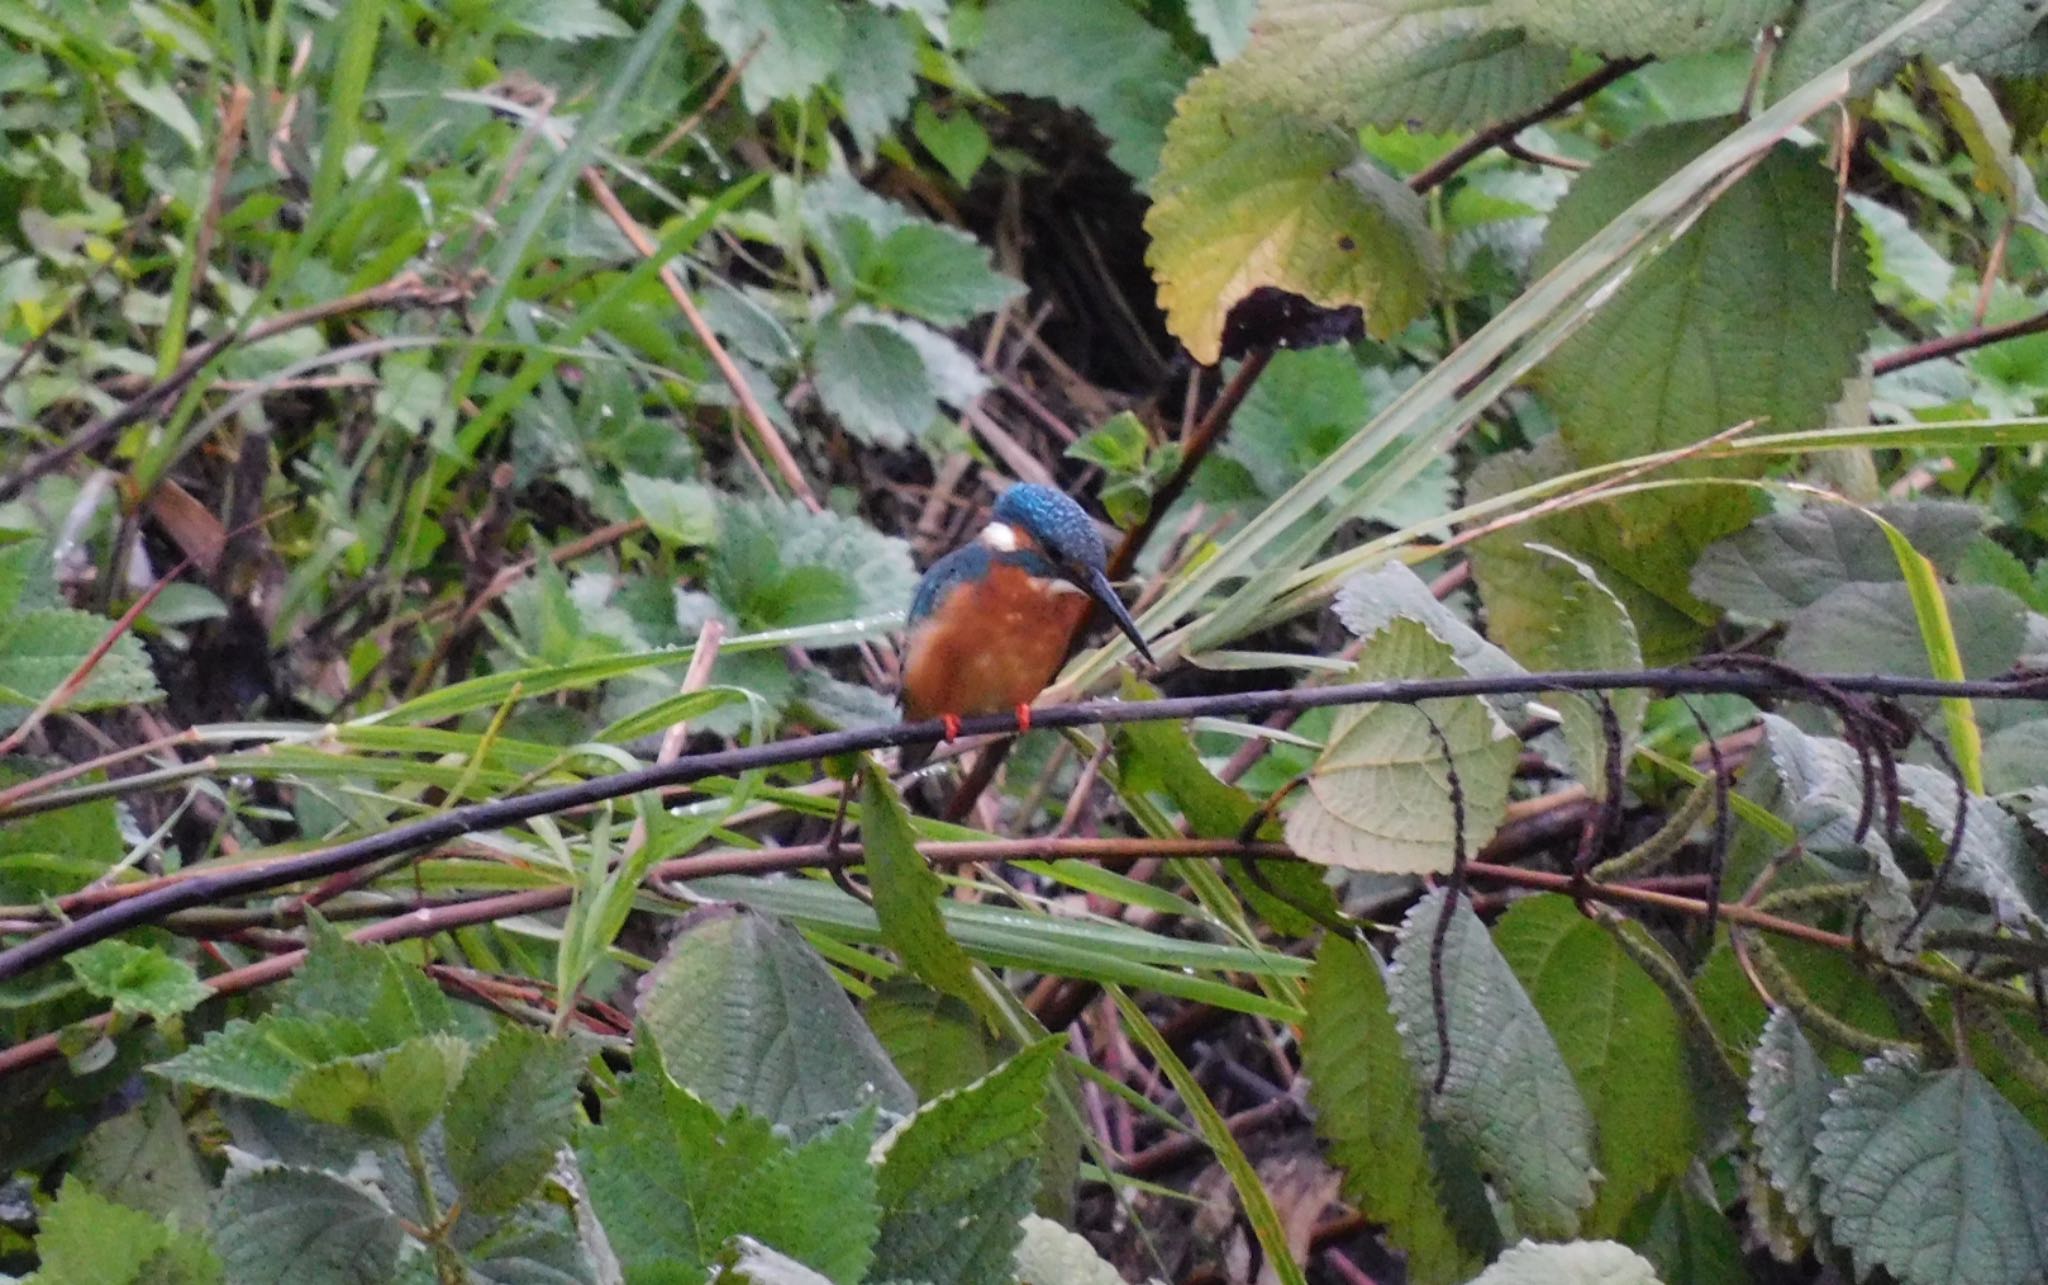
40	649
1621	1039
1508	1096
392	1093
1415	63
145	1159
1379	797
872	381
86	1239
673	1182
907	893
877	74
1992	860
682	513
1872	629
779	565
1789	1088
1934	1177
956	1178
1556	616
791	46
1251	196
1368	1107
261	1059
1816	784
1582	1262
938	273
302	1227
1101	59
746	1015
512	1113
1757	312
138	979
372	985
1783	562
1661	28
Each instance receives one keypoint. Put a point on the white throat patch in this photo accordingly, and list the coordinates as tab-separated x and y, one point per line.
1000	536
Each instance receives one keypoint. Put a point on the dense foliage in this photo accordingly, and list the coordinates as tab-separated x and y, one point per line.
411	409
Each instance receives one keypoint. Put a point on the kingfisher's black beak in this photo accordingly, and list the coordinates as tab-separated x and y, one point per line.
1096	582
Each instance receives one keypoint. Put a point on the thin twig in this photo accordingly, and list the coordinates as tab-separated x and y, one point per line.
1950	345
1494	135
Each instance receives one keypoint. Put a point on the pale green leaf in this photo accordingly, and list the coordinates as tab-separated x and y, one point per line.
1581	1262
162	100
393	1093
1788	1094
145	1159
1869	628
684	513
877	74
746	1261
1379	797
138	979
1251	196
934	272
956	1178
1662	28
1934	1177
87	1239
40	649
1508	1096
302	1227
1783	562
569	20
746	1015
261	1059
1993	859
873	381
1621	1039
791	45
1049	1254
510	1116
1368	1107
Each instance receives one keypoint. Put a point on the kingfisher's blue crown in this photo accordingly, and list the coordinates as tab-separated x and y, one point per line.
1061	527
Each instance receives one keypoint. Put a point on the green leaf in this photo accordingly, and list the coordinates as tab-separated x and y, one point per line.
1379	797
87	1239
512	1113
40	649
672	1182
1559	616
746	1014
1368	1107
1784	562
935	1040
956	141
1689	1241
683	513
746	1261
1872	629
1582	1262
780	565
873	381
1249	196
1102	59
139	979
791	45
303	1227
1119	445
145	1159
372	985
1391	63
261	1059
934	272
569	20
1661	28
956	1178
1993	859
877	74
1826	31
1788	1094
907	893
1934	1177
1788	306
1508	1095
1049	1254
394	1093
1621	1039
162	100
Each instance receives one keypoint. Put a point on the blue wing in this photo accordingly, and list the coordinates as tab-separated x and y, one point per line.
963	565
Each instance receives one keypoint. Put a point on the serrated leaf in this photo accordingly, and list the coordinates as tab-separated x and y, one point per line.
302	1227
1783	562
1661	28
1756	312
1687	1239
1049	1254
1582	1262
392	1093
746	1261
145	1159
877	74
790	46
934	272
1368	1107
873	381
673	1182
779	565
261	1059
684	513
1815	783
1379	797
1560	616
935	1040
138	979
512	1113
1416	63
1102	59
1788	1094
371	985
907	893
40	649
1621	1039
1826	31
86	1239
1992	860
746	1014
1934	1177
532	1248
955	1179
1252	196
1872	629
1508	1095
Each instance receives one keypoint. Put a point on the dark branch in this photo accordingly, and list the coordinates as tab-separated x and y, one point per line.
1503	131
1950	345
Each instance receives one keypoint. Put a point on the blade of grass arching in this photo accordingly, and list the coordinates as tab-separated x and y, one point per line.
1430	415
1209	1122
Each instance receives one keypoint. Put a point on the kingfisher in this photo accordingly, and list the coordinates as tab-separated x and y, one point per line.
992	621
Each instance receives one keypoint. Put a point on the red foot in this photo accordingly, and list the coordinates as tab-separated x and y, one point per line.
952	722
1023	718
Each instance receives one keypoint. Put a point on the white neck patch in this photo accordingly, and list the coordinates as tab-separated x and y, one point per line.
1000	536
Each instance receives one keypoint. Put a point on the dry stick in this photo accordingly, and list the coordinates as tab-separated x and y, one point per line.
472	818
233	114
1494	135
750	406
406	290
688	125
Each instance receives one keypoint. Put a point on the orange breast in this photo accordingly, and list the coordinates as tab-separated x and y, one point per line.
991	646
